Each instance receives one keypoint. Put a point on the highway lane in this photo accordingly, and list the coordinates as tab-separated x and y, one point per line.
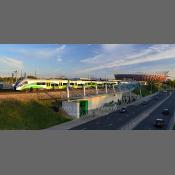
116	120
148	123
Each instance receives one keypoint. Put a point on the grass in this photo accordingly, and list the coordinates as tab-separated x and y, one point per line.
31	115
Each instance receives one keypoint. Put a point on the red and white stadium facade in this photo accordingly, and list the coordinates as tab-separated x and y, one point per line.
158	77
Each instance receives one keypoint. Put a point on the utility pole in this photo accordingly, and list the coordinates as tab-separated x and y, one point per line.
12	77
21	73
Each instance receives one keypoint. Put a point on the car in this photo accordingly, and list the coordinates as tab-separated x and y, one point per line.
123	110
166	111
159	123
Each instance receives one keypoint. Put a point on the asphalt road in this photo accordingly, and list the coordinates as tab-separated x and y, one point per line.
116	119
148	123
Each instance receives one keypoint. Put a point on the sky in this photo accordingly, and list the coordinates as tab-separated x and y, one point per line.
86	60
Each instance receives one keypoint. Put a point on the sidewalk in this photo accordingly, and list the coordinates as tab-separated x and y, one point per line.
96	114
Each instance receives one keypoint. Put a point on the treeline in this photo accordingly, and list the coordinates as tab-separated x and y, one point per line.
170	83
14	79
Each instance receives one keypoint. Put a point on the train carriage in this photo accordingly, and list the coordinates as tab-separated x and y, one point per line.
47	84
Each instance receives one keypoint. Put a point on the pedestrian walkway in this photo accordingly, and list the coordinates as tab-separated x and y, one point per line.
97	113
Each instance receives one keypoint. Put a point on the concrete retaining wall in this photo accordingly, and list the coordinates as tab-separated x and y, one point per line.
73	107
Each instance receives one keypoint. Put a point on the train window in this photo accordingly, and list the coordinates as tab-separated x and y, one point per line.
41	83
64	83
54	84
71	83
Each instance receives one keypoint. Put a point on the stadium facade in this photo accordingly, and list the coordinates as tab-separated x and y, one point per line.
158	77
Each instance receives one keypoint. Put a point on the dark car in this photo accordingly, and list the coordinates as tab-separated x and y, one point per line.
159	123
123	110
166	112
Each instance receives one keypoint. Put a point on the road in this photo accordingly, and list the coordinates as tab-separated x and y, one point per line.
116	119
148	123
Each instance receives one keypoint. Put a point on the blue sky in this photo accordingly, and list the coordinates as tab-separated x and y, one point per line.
83	60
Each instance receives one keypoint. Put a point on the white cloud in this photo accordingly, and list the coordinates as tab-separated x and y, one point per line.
10	63
59	59
42	53
111	59
111	47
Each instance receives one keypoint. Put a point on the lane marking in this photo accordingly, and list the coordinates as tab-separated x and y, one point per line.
133	123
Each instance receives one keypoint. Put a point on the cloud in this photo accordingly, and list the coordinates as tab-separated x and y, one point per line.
59	59
8	62
111	59
42	53
110	47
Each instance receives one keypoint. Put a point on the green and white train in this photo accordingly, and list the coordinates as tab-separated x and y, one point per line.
49	84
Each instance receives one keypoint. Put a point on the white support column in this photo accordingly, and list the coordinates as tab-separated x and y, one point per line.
96	88
68	92
84	90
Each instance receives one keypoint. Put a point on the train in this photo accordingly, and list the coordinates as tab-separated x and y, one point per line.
59	84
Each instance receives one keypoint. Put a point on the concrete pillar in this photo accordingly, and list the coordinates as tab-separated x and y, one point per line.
68	95
96	88
106	88
84	91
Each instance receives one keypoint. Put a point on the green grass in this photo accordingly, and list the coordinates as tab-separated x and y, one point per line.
28	115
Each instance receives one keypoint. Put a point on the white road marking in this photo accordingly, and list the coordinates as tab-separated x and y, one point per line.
132	124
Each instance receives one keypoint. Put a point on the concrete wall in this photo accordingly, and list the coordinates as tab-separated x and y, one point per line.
98	101
72	108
